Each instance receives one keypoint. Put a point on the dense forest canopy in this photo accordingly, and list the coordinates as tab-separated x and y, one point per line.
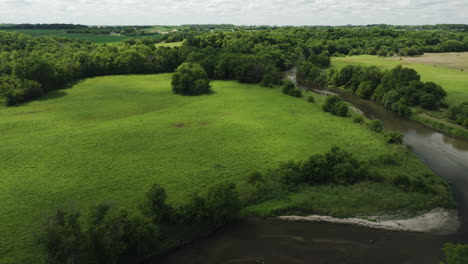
32	66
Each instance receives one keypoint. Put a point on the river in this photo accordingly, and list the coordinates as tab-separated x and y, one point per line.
274	241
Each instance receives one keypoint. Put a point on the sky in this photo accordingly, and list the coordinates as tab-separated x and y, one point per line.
239	12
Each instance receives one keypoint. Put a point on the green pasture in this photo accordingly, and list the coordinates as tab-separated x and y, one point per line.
110	138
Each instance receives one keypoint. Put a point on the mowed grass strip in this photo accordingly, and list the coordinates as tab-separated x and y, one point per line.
439	68
110	138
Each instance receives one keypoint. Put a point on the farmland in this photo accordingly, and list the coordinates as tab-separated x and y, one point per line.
442	68
109	138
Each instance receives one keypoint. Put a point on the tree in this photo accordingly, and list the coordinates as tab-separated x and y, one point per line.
365	89
190	79
154	205
63	239
429	101
223	204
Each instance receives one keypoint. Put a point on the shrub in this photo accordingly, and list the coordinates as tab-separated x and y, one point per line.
288	87
375	125
402	182
310	99
190	79
358	119
455	253
297	93
336	106
393	137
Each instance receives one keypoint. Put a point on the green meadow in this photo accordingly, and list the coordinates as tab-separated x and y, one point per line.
432	67
110	138
169	44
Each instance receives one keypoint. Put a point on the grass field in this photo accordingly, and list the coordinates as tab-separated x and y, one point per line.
441	68
169	44
95	38
110	138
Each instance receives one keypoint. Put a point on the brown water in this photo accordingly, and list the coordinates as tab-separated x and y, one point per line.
272	241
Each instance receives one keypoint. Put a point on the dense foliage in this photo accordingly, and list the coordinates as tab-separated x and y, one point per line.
455	253
337	167
247	54
290	88
459	113
114	235
397	89
190	79
336	106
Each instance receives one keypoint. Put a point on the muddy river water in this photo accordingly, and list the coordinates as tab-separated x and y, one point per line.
274	241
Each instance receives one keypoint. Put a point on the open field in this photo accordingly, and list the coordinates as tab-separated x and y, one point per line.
110	138
169	44
95	38
441	68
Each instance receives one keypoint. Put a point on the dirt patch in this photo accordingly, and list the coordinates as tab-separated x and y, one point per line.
205	123
179	125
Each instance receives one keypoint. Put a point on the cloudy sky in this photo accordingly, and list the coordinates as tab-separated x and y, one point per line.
240	12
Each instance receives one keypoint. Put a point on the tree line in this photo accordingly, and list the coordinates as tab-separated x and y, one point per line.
397	89
32	66
109	234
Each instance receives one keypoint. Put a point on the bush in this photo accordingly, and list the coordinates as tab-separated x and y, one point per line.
190	79
336	106
310	99
455	254
375	125
358	119
297	93
334	167
393	137
288	87
402	182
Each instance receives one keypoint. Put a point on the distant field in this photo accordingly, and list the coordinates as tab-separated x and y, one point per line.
170	44
95	38
441	68
110	138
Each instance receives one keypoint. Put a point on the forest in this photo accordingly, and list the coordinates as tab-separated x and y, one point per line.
30	66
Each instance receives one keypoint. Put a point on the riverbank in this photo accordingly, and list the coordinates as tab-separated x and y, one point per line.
440	124
438	221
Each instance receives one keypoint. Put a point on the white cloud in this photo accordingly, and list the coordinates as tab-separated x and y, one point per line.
242	12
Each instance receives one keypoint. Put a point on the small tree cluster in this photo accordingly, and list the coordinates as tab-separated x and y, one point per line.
336	106
112	235
334	167
459	114
190	79
289	88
